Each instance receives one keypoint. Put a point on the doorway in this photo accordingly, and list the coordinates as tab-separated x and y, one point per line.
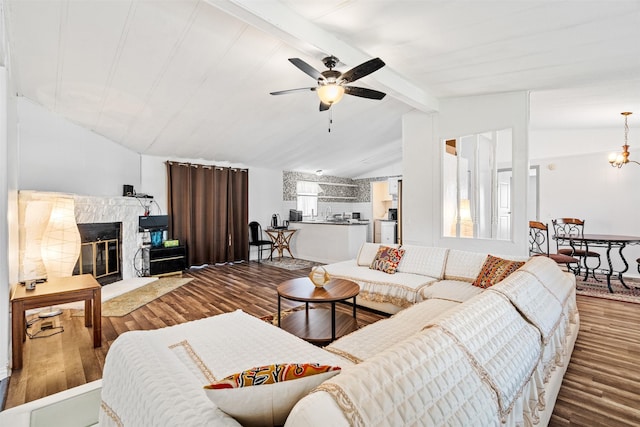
385	197
505	178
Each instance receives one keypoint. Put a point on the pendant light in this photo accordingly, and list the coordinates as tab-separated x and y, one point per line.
617	160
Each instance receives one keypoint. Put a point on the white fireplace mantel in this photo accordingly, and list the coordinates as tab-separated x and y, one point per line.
91	209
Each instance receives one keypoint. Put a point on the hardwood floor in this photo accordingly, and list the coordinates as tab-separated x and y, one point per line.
68	359
601	386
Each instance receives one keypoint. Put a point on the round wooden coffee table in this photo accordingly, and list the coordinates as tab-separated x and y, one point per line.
318	325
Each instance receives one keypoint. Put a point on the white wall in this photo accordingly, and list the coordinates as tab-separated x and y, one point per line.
419	178
422	150
567	142
57	155
4	229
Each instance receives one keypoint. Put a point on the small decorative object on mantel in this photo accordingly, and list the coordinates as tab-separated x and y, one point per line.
319	276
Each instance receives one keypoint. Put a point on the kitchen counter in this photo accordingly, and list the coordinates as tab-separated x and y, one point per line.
334	222
326	241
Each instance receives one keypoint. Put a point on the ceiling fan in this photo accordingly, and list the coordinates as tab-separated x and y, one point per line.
332	84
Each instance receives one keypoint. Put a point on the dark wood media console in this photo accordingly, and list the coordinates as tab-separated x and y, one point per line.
165	261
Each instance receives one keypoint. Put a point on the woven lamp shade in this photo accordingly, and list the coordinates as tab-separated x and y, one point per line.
61	239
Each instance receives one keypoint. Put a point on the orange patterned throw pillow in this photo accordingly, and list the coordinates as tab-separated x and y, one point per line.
387	259
271	374
269	404
495	270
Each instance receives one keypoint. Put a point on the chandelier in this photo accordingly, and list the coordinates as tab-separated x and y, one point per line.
617	160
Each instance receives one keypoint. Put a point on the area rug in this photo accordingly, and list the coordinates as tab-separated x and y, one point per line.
124	304
290	263
273	318
596	289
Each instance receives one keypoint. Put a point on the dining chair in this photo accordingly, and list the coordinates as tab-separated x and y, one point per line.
256	239
574	227
539	246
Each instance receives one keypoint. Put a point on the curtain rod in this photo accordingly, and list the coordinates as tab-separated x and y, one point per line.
195	165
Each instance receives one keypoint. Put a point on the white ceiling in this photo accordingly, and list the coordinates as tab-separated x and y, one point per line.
191	79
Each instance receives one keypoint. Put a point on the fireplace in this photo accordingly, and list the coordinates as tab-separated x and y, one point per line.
98	211
100	253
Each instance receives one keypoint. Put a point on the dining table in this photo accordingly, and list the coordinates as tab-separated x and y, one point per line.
608	241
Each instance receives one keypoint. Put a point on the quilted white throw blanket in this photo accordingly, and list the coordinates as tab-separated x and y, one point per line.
164	371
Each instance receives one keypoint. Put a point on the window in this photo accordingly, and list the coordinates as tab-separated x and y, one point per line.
307	193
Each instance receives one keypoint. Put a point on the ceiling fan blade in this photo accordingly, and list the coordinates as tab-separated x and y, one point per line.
324	107
363	92
302	89
362	70
306	68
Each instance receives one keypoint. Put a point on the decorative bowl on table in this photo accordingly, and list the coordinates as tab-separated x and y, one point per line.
319	276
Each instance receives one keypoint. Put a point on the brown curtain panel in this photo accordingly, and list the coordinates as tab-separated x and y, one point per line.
208	210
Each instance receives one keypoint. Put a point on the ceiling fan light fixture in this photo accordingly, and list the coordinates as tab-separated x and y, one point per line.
330	93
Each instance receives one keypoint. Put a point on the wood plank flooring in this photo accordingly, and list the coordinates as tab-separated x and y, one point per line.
601	386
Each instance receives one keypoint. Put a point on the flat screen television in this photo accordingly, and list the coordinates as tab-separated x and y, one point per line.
153	223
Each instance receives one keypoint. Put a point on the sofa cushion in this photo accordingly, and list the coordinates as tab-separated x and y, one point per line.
494	270
277	387
559	283
500	343
426	379
374	338
367	254
534	302
463	265
450	290
428	261
400	289
387	259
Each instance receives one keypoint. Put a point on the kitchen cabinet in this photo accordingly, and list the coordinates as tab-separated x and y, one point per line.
393	186
328	243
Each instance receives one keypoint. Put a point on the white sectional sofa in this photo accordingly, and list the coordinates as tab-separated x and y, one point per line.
423	273
453	356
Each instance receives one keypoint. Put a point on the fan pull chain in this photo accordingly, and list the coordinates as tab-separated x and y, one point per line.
330	120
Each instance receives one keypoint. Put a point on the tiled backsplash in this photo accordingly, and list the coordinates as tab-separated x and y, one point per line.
361	193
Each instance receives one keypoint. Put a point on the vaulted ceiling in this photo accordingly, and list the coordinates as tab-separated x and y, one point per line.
191	79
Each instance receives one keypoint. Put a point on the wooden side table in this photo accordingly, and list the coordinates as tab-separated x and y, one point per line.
281	239
55	291
318	325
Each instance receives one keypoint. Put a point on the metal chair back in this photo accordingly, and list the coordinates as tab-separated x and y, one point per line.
568	227
538	238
